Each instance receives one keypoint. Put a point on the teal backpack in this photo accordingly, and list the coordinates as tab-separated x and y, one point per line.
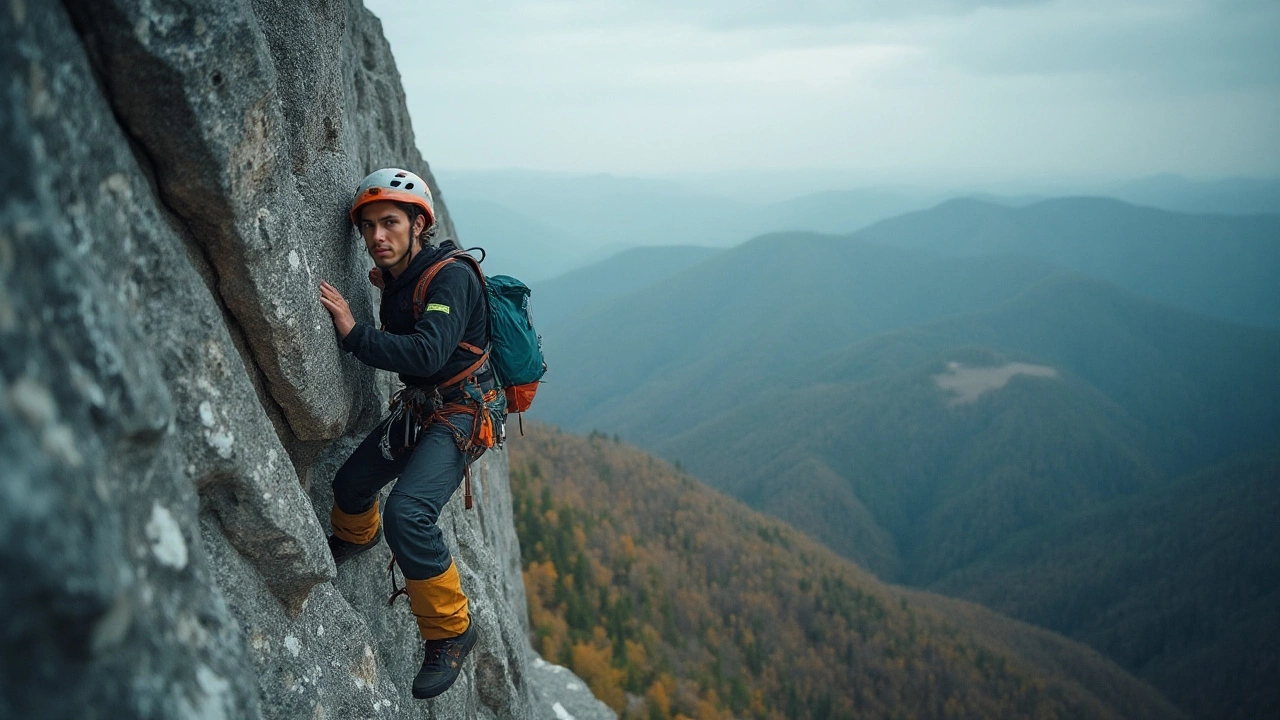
515	348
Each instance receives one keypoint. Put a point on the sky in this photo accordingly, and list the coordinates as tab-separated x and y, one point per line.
884	90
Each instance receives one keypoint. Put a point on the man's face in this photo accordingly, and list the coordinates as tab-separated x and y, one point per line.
387	232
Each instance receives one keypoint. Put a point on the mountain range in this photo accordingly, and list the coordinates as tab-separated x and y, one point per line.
538	225
944	396
1221	265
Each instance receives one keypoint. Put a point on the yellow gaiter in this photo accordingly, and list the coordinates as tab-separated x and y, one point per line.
358	529
439	605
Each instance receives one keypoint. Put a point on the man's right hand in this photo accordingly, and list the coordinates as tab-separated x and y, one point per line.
338	308
375	278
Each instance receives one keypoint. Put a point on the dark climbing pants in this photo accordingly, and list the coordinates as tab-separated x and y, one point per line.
429	473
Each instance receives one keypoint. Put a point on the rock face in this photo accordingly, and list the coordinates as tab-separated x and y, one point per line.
173	402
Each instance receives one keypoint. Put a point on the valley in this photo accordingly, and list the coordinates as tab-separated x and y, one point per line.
983	401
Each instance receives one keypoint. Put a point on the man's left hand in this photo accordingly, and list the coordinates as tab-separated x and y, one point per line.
338	308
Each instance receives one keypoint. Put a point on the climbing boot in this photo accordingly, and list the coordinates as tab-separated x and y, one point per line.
443	662
344	551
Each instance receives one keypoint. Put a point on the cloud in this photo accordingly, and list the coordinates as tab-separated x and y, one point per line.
1171	44
920	87
729	14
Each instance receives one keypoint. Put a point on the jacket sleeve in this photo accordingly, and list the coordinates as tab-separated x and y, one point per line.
435	336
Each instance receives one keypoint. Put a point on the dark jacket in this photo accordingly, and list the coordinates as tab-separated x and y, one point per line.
426	352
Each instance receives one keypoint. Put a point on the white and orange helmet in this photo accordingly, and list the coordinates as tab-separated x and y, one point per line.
395	185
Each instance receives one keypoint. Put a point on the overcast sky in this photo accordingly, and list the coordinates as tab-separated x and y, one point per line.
894	90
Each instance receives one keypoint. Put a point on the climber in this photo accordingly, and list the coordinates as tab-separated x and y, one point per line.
429	437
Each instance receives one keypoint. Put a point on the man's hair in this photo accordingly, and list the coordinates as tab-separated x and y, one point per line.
428	233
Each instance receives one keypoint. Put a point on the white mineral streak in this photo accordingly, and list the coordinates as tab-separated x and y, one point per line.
216	699
206	414
167	543
221	441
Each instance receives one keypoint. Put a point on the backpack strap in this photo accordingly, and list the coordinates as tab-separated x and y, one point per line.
420	290
466	373
420	300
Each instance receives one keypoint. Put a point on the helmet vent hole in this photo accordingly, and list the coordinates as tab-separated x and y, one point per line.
394	183
374	191
408	186
400	174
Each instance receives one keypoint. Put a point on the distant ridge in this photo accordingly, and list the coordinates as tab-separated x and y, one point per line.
1236	196
582	291
1221	265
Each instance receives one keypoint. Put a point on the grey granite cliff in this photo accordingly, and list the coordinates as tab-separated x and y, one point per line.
173	402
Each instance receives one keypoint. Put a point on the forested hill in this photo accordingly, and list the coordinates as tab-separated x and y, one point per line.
1105	395
1222	265
1181	584
711	337
648	583
944	463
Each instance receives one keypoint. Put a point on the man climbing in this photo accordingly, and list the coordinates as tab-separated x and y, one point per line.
439	422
